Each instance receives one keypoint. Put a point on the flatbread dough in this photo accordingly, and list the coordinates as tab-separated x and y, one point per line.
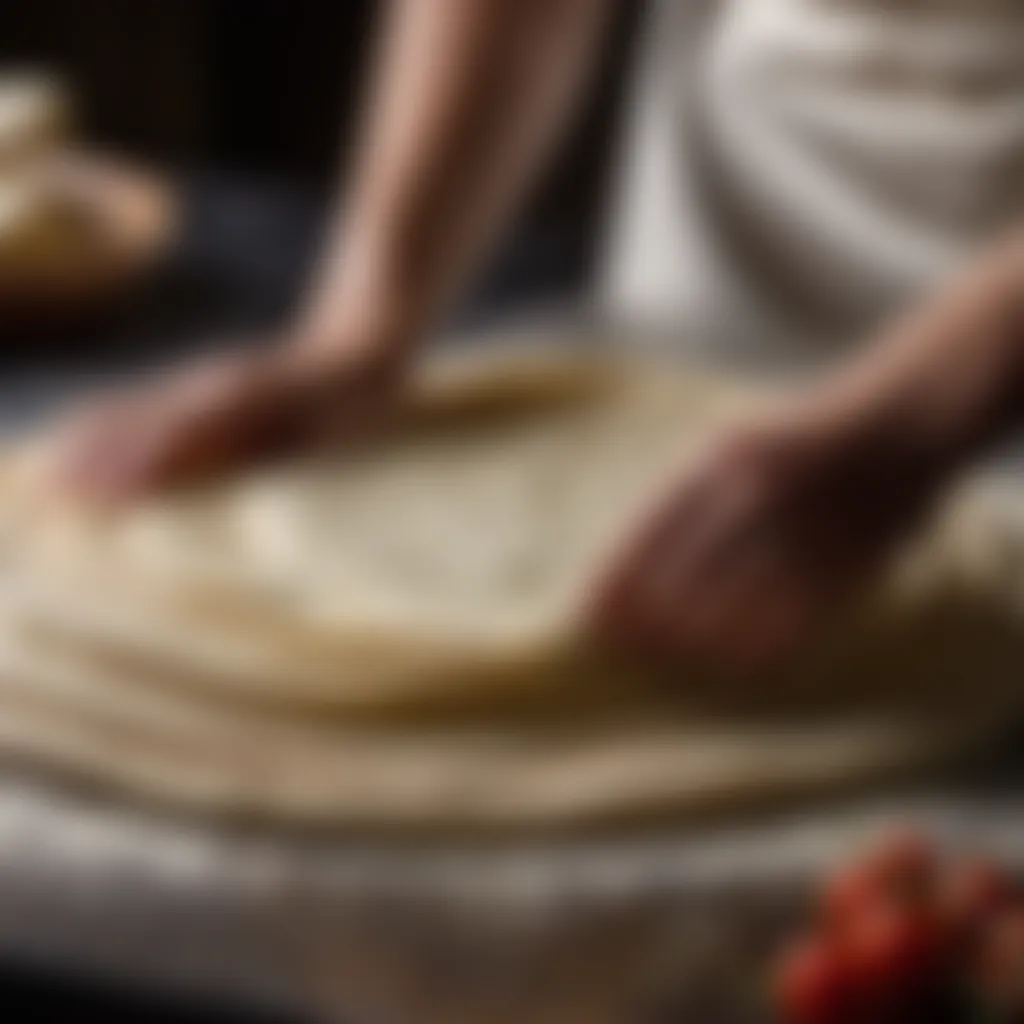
106	729
450	560
392	637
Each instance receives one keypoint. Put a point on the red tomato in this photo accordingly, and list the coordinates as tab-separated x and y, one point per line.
847	895
904	862
973	893
1000	970
893	953
901	868
811	984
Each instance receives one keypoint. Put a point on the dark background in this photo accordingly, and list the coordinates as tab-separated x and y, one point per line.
266	91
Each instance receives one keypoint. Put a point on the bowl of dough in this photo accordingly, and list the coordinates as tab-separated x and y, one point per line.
77	229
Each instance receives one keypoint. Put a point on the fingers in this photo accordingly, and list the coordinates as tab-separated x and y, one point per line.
688	565
111	460
640	576
176	432
742	606
725	569
95	447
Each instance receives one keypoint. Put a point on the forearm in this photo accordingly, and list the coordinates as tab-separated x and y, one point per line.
467	100
947	381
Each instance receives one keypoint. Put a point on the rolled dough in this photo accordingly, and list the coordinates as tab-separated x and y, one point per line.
392	637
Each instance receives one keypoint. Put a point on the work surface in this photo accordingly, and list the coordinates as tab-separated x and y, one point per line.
331	924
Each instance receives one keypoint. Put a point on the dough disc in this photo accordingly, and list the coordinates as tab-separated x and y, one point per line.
82	719
392	638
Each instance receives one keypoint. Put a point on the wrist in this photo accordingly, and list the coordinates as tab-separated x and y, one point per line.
869	439
353	333
946	382
886	434
370	339
362	307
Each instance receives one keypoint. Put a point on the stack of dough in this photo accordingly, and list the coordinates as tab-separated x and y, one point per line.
392	637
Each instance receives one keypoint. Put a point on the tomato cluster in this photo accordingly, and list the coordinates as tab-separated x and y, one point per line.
902	935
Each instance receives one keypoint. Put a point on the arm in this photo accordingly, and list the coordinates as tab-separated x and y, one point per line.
783	520
944	383
468	99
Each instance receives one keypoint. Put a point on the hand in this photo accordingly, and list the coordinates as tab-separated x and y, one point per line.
760	541
221	414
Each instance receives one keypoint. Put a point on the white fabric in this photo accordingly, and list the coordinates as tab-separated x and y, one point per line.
799	167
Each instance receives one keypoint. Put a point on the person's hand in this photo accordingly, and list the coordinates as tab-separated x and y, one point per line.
759	541
221	414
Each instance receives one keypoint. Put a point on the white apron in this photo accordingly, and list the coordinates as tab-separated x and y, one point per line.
795	170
